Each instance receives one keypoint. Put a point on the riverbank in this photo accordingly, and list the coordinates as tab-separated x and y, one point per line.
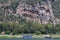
34	36
11	36
42	36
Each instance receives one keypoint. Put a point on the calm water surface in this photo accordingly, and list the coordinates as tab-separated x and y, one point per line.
25	39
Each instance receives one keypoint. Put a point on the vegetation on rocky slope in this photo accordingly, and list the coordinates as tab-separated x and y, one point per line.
11	23
56	8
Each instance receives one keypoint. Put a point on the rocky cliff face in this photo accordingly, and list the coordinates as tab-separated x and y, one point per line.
40	12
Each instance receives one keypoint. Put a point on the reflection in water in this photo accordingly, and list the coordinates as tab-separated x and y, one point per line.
25	39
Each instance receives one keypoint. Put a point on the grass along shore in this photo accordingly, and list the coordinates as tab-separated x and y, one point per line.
42	36
11	36
34	36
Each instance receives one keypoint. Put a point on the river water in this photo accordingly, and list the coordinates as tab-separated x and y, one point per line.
25	39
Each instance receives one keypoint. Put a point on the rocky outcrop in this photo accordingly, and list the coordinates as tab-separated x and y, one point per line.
40	12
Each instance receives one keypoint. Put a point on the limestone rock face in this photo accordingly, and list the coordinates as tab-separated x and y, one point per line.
40	12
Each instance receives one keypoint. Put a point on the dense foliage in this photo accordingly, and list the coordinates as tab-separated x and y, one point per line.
29	27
